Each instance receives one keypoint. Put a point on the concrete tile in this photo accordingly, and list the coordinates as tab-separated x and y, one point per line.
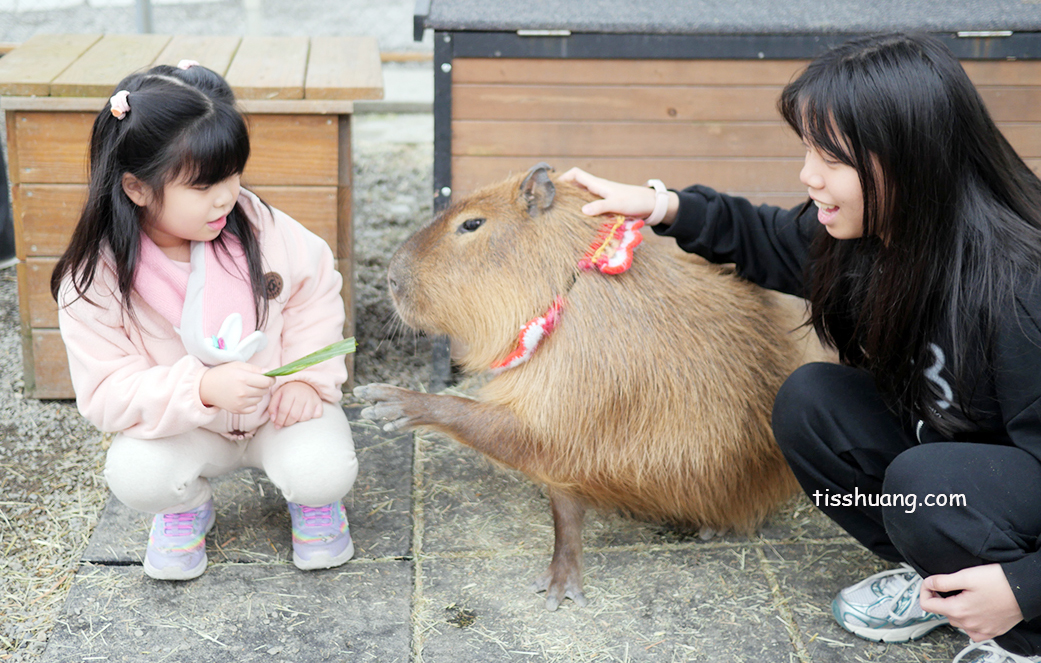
469	504
242	613
797	520
810	575
472	504
643	606
253	522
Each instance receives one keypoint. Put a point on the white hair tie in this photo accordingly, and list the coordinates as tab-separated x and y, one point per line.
187	64
120	104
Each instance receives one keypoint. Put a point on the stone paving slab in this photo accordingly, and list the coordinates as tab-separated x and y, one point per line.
241	613
809	576
253	521
472	504
663	605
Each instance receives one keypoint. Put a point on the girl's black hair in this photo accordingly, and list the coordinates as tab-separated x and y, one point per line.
182	126
952	218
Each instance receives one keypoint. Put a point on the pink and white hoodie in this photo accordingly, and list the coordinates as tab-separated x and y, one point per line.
134	376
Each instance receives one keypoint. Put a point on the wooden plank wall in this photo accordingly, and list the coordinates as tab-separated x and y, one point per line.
49	175
684	121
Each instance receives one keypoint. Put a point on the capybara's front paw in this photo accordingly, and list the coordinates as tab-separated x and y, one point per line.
561	583
390	404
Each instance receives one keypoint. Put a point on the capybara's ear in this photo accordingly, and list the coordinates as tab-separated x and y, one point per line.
538	189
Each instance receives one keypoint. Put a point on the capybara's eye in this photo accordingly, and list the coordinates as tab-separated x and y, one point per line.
470	225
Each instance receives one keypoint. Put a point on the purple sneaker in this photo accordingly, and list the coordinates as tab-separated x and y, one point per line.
177	544
321	539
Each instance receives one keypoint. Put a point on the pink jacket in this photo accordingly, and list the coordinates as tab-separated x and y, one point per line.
136	378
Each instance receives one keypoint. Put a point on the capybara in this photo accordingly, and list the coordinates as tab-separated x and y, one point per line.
650	392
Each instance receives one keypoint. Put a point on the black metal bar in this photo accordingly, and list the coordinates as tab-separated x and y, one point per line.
7	248
1020	45
444	45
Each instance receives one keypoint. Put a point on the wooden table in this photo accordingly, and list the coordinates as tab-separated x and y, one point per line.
296	91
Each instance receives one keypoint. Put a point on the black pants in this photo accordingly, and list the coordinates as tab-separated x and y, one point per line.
840	439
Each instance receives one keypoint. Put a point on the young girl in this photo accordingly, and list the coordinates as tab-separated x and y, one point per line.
920	254
178	291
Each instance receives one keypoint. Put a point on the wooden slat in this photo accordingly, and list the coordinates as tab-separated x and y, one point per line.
1034	165
43	310
538	71
50	366
750	175
344	68
591	103
292	150
52	147
106	63
657	139
345	228
249	106
214	53
555	71
1013	104
13	175
30	68
344	191
1003	72
49	212
1024	137
644	139
269	68
312	206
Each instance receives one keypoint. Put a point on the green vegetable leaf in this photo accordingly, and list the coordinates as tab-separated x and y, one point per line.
343	347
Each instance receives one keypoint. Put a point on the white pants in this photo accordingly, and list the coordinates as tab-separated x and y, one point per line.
311	462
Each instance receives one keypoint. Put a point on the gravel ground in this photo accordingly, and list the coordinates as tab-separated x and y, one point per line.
51	490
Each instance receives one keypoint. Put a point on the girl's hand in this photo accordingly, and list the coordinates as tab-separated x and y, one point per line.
627	199
237	387
293	402
985	606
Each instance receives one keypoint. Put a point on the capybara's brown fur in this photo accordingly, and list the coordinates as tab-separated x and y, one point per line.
652	395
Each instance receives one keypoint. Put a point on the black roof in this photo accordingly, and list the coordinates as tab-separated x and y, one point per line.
731	17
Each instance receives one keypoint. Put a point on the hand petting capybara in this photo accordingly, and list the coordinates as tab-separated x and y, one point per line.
640	381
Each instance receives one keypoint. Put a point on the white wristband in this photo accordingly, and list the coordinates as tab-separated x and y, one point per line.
661	202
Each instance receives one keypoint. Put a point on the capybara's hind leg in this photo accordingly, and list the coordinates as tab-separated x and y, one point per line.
564	577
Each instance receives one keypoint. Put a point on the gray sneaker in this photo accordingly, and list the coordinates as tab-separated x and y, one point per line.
885	607
989	651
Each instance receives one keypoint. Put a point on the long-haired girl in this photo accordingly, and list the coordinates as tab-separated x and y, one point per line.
178	291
